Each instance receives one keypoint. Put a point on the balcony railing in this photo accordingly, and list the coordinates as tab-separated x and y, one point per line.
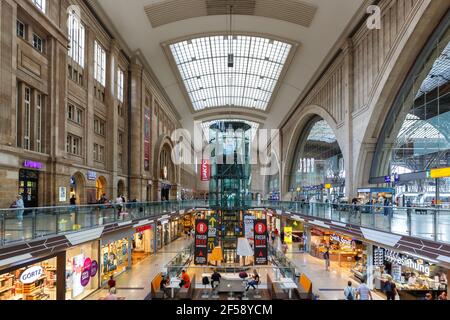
32	223
432	223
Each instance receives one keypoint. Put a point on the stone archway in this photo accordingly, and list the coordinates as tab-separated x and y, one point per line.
120	188
77	188
100	186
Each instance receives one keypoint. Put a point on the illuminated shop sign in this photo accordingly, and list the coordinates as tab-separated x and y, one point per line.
33	164
32	274
338	238
406	261
91	175
204	171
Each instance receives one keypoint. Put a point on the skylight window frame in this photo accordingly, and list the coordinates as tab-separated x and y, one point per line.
270	81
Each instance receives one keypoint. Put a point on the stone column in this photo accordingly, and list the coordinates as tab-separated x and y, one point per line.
136	131
370	268
347	127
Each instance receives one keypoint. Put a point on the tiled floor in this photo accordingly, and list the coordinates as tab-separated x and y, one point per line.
134	284
329	285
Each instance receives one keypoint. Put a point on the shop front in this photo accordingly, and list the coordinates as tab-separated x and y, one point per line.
115	254
35	280
29	182
82	276
414	277
294	232
347	252
142	243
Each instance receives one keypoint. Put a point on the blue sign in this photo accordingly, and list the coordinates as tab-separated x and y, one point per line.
387	179
91	175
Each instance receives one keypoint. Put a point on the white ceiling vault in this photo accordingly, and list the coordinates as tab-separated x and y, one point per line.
319	26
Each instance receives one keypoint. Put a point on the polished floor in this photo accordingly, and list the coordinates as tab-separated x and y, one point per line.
134	284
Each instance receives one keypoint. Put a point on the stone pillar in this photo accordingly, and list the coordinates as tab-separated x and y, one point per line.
136	132
347	127
370	268
112	116
89	117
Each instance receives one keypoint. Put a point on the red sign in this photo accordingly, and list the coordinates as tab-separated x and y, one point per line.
204	171
201	242
260	242
143	228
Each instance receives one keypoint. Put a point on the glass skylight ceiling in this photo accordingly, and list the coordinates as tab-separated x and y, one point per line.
211	81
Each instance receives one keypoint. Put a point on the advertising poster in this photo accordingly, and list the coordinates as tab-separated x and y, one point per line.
288	235
201	242
260	242
147	116
204	170
212	233
248	226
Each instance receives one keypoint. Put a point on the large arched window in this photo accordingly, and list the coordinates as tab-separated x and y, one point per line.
416	134
318	160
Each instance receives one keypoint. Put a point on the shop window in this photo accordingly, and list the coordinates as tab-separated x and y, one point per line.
27	122
114	258
33	282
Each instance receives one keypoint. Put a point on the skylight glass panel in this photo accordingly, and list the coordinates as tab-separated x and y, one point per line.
225	71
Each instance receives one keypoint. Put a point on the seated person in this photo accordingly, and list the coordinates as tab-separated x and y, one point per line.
215	279
163	286
255	281
185	280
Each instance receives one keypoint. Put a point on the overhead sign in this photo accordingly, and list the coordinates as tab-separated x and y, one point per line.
201	242
213	241
91	175
205	170
143	228
260	242
32	274
440	173
328	186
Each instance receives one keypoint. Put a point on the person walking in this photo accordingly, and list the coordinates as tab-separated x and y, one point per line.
349	292
73	200
111	282
363	292
254	282
282	237
215	279
326	257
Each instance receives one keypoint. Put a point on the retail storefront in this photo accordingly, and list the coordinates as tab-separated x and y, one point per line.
35	280
142	243
295	229
115	254
413	277
347	252
82	270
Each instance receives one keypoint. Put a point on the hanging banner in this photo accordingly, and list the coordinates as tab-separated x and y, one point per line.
204	170
201	242
248	226
288	235
212	233
147	115
260	243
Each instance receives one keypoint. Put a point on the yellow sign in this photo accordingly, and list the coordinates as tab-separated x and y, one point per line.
288	234
328	186
440	173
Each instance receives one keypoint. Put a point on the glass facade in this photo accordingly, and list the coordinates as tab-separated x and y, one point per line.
417	131
318	161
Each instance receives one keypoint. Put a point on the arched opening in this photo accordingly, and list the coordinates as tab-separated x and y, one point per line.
166	172
120	188
318	170
416	134
100	187
273	187
77	189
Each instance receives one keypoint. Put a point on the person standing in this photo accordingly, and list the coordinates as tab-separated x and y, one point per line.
215	279
390	289
326	257
111	294
119	202
73	200
19	205
363	292
349	292
282	237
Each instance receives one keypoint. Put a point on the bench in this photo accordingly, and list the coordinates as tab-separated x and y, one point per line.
304	290
187	293
156	292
